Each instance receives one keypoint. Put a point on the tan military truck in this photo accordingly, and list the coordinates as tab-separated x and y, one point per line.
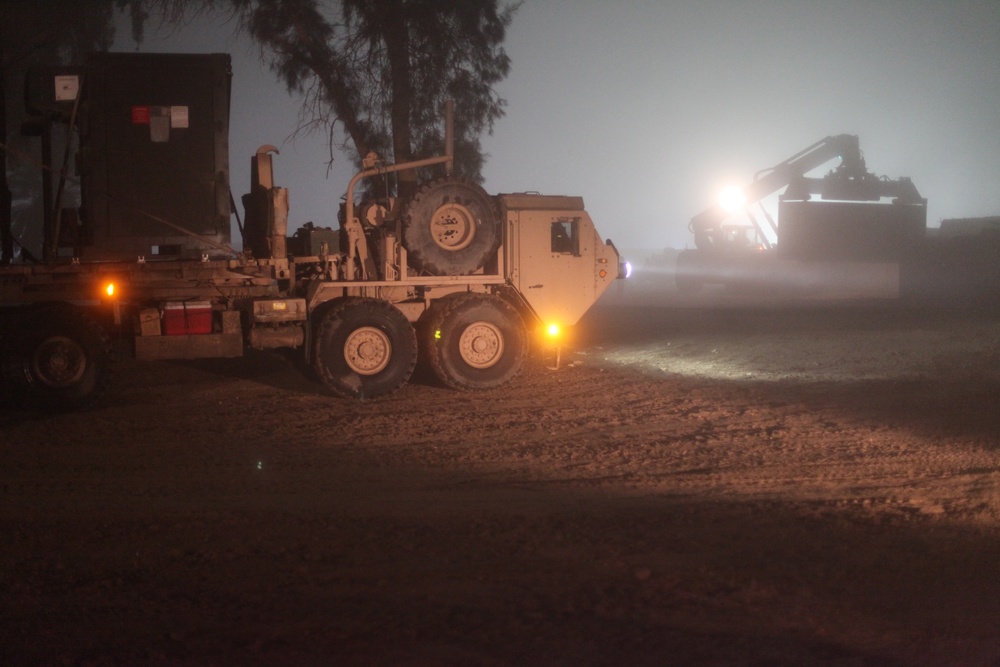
460	278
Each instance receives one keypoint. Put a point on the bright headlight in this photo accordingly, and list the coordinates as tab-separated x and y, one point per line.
732	199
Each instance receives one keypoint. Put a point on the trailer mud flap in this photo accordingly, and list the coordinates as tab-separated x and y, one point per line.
205	346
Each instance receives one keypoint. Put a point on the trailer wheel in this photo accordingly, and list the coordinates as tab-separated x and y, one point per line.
451	227
476	341
364	348
59	358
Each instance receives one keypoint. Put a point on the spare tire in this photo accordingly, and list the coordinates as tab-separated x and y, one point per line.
451	227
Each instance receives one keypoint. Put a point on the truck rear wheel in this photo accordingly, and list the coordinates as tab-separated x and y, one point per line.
364	348
451	227
59	358
476	341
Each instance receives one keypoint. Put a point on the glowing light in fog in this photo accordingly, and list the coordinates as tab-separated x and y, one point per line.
552	330
628	269
732	199
110	289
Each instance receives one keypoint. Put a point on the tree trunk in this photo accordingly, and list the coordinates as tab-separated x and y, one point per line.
397	44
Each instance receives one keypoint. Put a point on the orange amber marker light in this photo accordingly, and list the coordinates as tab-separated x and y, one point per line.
552	330
110	289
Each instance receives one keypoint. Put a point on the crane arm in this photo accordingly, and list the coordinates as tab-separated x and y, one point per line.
850	180
706	225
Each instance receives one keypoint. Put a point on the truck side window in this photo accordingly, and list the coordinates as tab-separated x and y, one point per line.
565	237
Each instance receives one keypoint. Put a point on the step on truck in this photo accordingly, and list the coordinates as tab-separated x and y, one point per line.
136	249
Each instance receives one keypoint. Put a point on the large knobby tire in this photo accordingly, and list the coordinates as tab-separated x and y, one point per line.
475	341
451	228
58	358
364	348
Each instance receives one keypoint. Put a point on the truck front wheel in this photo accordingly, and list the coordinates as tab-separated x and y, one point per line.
476	341
364	348
59	358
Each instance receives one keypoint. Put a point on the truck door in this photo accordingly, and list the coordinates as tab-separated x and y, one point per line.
562	264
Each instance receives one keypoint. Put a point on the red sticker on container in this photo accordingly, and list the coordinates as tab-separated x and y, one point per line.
140	115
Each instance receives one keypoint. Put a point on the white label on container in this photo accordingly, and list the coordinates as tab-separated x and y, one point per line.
67	87
178	116
159	124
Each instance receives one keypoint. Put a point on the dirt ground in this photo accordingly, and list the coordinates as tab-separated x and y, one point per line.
699	484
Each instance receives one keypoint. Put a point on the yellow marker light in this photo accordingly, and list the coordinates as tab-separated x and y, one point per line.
109	289
552	330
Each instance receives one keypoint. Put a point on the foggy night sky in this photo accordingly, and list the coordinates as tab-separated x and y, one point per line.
646	108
